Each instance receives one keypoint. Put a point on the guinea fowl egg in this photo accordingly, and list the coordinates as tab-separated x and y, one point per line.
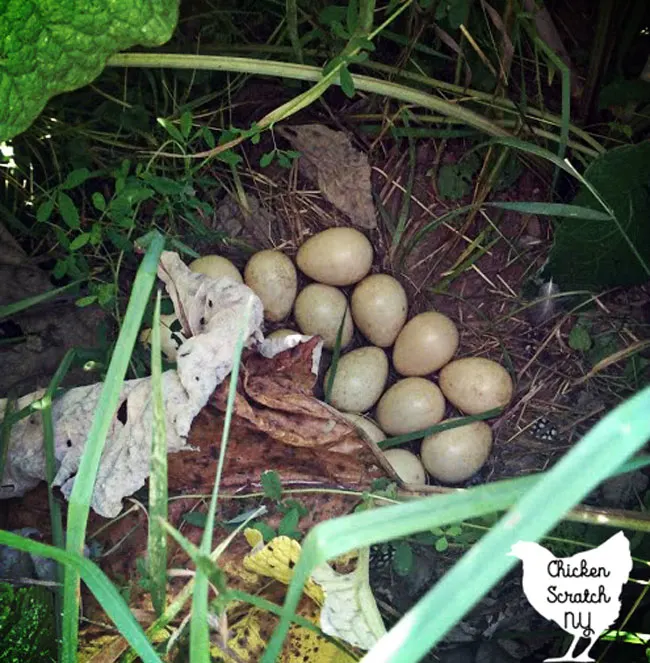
360	379
379	308
455	455
282	333
410	405
368	426
170	340
475	384
215	267
407	466
272	277
337	256
319	310
426	343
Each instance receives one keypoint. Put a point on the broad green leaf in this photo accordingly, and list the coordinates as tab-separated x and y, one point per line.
44	210
267	158
79	241
98	201
68	210
75	178
579	338
86	301
172	130
595	254
403	558
347	84
186	124
271	485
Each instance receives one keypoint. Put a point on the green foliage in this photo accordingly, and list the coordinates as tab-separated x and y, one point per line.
595	254
53	46
27	630
579	337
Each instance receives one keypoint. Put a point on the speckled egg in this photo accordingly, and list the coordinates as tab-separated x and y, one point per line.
360	379
319	310
337	256
379	308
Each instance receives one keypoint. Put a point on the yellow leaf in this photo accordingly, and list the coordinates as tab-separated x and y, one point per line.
277	560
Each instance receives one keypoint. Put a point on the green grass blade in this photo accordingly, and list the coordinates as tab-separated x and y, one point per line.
157	538
11	309
199	634
553	492
79	503
553	209
614	439
437	428
102	588
336	355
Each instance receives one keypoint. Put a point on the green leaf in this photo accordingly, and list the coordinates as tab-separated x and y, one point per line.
596	254
208	137
68	210
452	182
347	84
332	13
579	338
195	519
331	65
75	178
51	48
352	16
230	157
171	130
289	524
265	530
86	301
164	185
186	124
267	158
271	485
79	241
403	558
44	210
441	544
98	201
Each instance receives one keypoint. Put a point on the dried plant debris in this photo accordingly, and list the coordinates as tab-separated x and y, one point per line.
341	172
211	312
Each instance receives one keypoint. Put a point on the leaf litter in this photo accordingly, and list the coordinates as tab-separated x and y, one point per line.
277	424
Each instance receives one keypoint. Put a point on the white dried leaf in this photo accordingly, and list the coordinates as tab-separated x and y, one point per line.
211	309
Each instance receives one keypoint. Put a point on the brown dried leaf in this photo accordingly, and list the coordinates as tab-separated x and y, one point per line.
341	171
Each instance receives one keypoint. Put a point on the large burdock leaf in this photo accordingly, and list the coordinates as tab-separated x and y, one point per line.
595	254
342	172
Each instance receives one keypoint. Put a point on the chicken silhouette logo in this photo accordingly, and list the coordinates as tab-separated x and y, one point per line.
581	594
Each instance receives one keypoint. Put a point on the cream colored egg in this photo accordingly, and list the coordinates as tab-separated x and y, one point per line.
170	340
455	455
360	379
272	277
282	333
379	308
407	466
410	405
425	344
215	267
337	256
319	310
475	384
368	426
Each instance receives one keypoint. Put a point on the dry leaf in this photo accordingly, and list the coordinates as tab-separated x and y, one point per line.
342	172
